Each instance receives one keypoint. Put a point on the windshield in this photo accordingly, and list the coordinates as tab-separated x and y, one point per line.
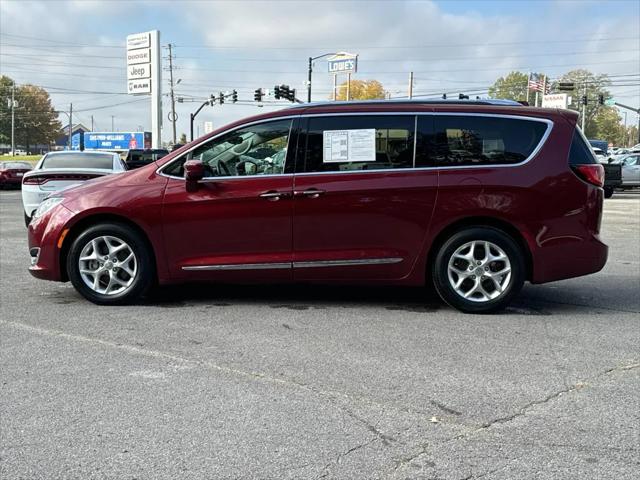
20	165
79	160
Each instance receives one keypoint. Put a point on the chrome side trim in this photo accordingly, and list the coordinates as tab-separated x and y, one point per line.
346	263
240	266
284	265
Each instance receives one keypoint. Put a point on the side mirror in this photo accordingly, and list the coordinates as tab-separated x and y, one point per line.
193	173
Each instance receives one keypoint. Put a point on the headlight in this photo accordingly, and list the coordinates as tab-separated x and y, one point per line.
47	205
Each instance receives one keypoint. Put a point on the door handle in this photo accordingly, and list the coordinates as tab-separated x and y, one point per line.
273	196
310	193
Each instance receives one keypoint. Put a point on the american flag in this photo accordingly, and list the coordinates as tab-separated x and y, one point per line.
537	82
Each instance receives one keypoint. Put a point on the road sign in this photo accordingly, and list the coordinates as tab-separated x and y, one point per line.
343	62
555	100
610	102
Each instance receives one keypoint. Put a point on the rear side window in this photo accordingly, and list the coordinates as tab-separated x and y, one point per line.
78	160
581	152
459	140
359	142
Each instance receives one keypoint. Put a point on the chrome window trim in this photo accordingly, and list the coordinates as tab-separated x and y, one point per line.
284	265
535	151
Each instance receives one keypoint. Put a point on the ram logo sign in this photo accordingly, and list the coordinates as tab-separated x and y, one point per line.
343	62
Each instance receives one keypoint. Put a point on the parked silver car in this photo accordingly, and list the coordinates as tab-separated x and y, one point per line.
630	170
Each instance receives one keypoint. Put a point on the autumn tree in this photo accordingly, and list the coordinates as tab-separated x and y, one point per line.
36	121
361	90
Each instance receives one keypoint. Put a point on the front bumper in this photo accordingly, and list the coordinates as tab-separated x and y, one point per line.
43	234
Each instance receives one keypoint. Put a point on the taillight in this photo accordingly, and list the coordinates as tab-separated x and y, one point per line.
592	173
40	179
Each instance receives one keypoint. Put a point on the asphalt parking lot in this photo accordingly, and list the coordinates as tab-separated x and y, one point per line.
310	382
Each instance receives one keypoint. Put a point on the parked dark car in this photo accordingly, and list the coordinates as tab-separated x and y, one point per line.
475	197
137	158
11	173
612	177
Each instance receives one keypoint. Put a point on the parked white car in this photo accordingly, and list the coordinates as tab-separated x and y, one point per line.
59	170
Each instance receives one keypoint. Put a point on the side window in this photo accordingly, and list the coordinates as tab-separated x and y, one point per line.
359	142
633	160
255	150
457	140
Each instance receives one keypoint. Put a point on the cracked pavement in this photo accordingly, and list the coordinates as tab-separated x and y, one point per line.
314	382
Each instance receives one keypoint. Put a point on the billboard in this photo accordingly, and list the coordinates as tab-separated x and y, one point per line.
116	140
76	141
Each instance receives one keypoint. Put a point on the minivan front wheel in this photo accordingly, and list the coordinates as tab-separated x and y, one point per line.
109	264
479	270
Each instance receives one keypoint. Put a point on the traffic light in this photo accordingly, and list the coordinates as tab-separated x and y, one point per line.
276	92
212	99
444	96
584	100
221	98
257	94
566	86
462	96
234	96
601	99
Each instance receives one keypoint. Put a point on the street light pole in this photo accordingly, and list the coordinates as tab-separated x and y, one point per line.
310	72
13	119
192	116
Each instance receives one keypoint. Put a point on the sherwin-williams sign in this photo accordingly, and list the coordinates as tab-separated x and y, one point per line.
116	140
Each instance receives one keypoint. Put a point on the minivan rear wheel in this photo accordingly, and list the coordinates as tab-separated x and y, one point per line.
110	264
479	270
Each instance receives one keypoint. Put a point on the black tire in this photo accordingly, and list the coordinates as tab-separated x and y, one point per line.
27	220
440	266
608	192
143	278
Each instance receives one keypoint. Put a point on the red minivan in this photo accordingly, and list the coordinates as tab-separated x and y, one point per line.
473	196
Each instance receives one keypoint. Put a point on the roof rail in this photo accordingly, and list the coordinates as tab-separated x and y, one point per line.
489	101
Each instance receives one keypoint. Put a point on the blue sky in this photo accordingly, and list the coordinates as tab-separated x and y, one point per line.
450	45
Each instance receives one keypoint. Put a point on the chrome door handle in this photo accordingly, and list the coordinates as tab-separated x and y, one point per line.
310	193
273	196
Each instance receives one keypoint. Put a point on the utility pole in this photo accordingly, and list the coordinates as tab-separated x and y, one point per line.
310	72
348	86
112	122
173	100
410	85
584	104
92	123
13	119
70	125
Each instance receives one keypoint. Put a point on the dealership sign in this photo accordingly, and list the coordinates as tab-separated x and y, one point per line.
555	100
343	62
140	52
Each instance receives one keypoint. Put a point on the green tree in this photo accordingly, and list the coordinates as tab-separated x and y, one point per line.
361	90
6	85
608	126
512	87
36	121
592	85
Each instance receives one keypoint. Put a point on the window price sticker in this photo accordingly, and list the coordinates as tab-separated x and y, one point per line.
349	145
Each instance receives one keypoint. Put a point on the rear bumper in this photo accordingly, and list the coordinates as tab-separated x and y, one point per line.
569	259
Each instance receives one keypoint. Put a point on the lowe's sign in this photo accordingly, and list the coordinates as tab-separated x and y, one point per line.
343	63
116	140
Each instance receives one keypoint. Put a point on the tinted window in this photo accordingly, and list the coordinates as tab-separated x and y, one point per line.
78	160
455	140
18	165
255	150
364	142
580	153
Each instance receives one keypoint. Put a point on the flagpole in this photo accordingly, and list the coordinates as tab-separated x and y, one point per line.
528	89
